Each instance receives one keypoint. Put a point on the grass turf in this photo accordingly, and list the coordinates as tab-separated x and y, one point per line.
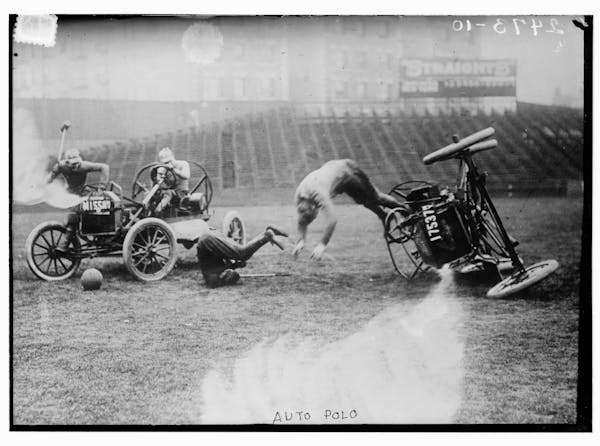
139	353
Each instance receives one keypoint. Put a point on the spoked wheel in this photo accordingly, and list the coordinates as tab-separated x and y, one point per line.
395	228
400	233
42	257
523	279
149	249
234	228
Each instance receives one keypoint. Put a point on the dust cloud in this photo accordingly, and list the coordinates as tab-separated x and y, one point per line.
403	366
30	161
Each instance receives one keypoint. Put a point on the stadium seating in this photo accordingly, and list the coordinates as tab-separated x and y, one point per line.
540	147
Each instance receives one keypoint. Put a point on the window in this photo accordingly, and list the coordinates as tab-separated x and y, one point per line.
271	88
221	88
362	59
389	58
390	92
341	90
240	88
362	90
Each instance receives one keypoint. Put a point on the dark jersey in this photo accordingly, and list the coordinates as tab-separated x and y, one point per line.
76	176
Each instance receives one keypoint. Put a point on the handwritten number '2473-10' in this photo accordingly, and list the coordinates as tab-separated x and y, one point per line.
501	26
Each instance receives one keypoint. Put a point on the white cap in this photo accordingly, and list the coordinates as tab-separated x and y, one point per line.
166	155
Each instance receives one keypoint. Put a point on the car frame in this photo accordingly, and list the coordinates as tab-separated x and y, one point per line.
459	227
111	224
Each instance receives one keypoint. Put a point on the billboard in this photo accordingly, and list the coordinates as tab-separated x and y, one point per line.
453	78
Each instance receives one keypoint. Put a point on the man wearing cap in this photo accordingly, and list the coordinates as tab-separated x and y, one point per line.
181	188
74	170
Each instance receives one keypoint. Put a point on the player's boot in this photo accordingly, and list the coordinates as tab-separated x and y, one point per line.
270	234
277	231
229	277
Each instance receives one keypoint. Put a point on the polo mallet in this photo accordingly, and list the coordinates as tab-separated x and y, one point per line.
63	131
252	275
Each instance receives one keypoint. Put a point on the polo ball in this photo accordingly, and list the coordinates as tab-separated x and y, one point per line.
91	279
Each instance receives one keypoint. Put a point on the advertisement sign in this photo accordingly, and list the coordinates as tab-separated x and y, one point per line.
451	78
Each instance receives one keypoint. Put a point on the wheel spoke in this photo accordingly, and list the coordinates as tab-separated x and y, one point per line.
46	240
161	256
45	248
60	236
63	265
142	238
47	270
55	266
138	253
153	260
139	244
52	237
158	242
140	260
153	242
43	261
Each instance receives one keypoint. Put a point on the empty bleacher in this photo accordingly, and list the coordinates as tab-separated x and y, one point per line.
539	146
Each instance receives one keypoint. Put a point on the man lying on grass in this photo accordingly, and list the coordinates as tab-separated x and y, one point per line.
219	256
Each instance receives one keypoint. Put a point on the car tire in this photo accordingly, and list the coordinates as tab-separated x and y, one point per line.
39	248
234	228
149	249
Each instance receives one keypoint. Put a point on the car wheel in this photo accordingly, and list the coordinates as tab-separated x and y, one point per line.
234	228
523	279
149	249
42	257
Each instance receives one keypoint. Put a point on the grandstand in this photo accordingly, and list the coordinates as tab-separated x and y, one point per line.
540	147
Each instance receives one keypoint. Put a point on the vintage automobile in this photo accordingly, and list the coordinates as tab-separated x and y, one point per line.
458	226
112	224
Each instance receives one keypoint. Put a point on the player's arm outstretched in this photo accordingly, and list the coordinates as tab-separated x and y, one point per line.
103	168
53	173
327	210
302	228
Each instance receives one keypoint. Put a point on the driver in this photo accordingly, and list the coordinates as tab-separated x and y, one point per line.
181	171
74	170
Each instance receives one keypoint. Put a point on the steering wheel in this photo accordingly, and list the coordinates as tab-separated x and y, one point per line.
169	179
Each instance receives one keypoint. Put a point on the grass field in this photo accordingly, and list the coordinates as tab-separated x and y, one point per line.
341	335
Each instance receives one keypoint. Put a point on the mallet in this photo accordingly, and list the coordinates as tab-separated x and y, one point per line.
63	131
250	275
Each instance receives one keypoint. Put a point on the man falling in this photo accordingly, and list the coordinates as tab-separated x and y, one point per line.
318	188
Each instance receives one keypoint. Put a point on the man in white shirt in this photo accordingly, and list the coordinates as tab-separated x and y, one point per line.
318	188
